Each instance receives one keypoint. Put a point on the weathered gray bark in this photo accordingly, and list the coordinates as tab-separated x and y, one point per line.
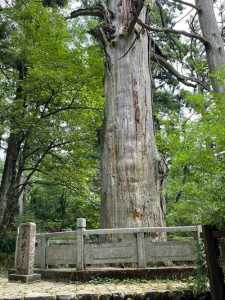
22	196
130	194
215	46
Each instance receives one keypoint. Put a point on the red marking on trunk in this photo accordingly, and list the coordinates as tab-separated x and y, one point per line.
137	112
137	215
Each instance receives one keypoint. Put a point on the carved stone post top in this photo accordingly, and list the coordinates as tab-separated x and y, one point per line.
28	224
81	223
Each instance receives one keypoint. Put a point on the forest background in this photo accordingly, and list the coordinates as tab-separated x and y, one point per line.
59	117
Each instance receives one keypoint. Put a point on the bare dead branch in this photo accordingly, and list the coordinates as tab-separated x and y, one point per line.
186	3
170	30
91	12
189	81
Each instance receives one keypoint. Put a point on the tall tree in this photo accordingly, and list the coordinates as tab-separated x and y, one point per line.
130	160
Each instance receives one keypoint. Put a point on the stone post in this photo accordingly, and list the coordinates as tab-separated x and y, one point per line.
44	245
81	226
25	254
141	250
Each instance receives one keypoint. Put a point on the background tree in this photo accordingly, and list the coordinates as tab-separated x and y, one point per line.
56	84
215	45
195	186
47	104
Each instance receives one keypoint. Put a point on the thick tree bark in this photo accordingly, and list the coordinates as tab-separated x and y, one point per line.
130	161
9	190
8	181
215	46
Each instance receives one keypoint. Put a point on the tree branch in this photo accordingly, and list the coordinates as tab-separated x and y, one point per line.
161	13
33	169
186	3
136	12
170	30
69	107
38	162
91	12
182	78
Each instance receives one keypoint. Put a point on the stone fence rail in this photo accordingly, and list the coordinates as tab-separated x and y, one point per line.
82	249
85	248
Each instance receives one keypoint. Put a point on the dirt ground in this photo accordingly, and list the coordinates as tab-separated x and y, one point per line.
94	286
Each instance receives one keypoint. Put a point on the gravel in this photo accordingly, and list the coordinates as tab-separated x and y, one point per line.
92	287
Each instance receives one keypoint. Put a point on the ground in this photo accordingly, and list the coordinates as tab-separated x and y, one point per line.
94	286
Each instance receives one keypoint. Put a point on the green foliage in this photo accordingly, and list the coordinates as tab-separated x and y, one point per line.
7	249
195	144
201	279
54	208
52	78
7	242
199	283
55	88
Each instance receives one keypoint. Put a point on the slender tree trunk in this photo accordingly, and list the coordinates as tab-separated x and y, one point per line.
130	193
22	196
215	47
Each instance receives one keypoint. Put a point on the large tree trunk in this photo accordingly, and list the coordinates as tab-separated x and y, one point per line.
12	172
215	47
8	180
130	193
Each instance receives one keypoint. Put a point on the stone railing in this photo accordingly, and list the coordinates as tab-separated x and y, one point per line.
84	248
